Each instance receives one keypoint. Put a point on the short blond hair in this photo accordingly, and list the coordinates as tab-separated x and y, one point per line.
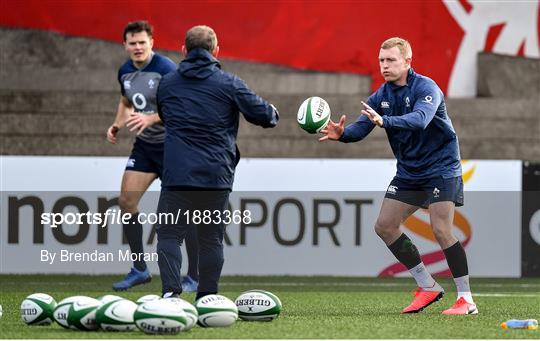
403	45
201	36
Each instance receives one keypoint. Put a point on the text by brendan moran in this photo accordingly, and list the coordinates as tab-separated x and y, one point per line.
96	256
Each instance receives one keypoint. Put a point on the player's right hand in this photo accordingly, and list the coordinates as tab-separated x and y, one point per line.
111	133
333	131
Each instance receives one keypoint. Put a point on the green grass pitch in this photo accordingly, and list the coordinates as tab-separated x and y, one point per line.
313	308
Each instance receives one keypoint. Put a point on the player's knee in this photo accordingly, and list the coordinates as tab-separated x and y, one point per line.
384	228
442	233
126	203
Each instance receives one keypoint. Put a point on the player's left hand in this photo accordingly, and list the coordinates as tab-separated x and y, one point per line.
372	115
139	122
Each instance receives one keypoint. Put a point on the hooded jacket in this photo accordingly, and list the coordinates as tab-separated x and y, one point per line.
200	107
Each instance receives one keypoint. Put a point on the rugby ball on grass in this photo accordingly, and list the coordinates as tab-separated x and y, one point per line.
313	115
108	298
216	311
82	313
61	311
258	305
189	309
147	298
116	315
160	317
38	309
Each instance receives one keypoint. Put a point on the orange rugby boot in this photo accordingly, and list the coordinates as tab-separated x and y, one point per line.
462	307
422	299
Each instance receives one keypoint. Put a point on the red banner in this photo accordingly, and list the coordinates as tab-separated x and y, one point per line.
318	35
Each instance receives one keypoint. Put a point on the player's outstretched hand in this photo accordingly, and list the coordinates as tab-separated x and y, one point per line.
372	115
333	131
111	133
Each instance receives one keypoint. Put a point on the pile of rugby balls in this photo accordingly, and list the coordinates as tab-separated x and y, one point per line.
150	314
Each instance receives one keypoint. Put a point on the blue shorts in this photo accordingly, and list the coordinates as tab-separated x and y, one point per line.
424	192
146	157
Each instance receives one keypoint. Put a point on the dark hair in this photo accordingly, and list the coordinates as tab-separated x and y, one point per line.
201	36
138	26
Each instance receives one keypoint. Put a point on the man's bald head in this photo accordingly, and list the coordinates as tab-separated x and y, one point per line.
201	36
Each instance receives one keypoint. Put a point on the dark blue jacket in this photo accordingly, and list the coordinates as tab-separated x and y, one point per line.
199	105
420	132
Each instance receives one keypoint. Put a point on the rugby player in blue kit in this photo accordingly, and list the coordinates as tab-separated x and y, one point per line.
139	78
411	109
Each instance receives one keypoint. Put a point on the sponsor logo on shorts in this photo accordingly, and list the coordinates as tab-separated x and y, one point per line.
436	192
392	189
130	163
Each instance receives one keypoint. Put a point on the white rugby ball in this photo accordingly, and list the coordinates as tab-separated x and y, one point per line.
61	311
82	313
38	309
189	309
216	311
147	298
160	317
258	305
313	115
116	315
108	298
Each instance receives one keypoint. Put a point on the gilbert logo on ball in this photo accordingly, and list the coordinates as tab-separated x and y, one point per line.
313	115
38	309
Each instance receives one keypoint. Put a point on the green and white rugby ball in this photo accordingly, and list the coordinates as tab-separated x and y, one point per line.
313	115
116	315
216	311
38	309
160	317
82	313
258	305
147	298
189	309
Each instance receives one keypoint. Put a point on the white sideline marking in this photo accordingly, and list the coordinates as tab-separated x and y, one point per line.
505	295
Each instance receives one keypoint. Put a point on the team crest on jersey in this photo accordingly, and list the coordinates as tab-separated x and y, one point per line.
407	102
127	85
385	104
151	84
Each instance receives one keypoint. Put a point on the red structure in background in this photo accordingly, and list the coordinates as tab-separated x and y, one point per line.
317	35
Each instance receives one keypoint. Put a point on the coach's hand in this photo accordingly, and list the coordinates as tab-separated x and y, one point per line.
111	133
333	131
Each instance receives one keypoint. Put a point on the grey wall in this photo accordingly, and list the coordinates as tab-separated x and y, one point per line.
58	95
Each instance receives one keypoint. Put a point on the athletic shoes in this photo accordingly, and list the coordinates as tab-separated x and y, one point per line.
422	299
189	284
133	278
462	307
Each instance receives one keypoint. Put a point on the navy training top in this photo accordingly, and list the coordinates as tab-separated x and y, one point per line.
200	107
419	130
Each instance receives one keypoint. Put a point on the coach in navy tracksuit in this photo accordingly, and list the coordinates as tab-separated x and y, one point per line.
411	109
199	105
